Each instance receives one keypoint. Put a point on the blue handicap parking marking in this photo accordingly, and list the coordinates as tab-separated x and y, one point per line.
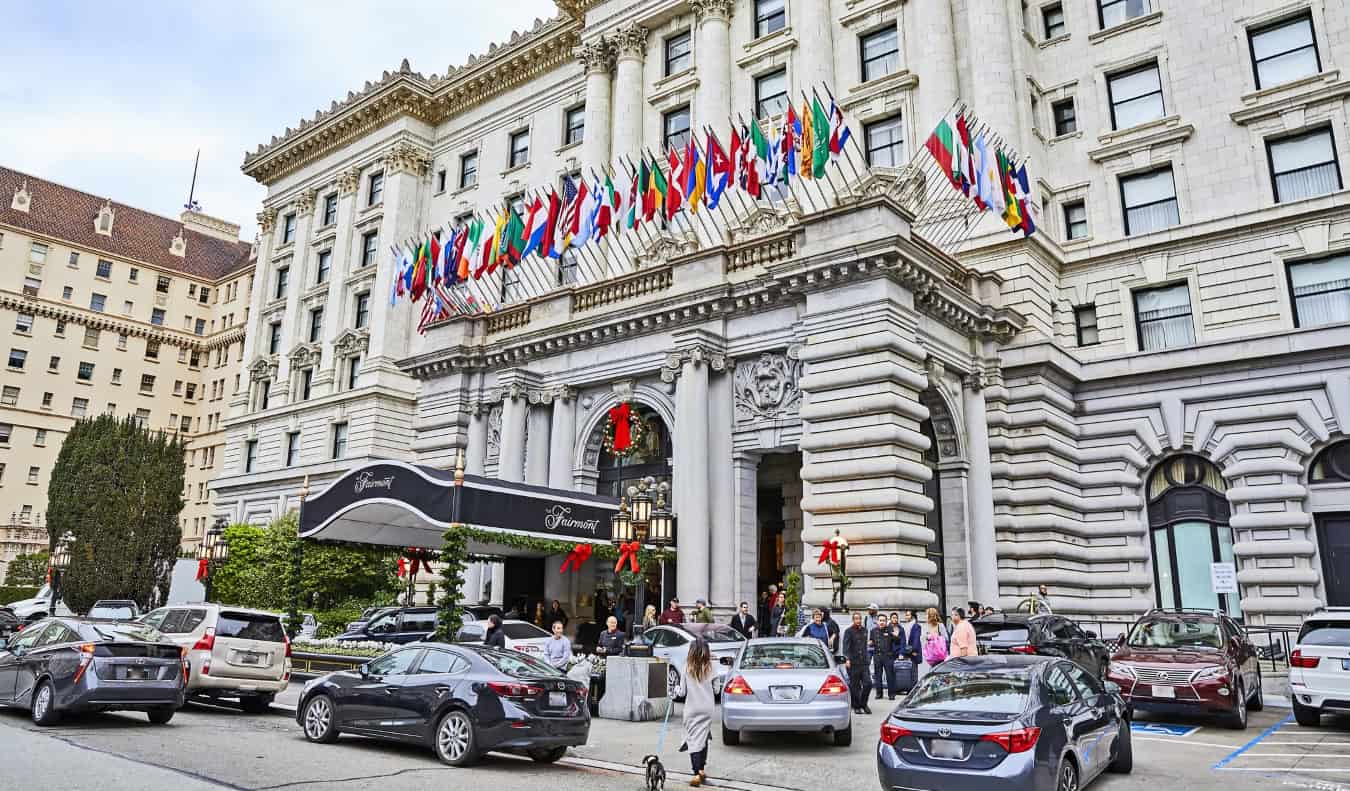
1163	729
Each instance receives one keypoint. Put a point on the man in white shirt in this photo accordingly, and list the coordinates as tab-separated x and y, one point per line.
558	649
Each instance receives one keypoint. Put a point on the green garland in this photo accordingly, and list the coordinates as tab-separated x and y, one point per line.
453	552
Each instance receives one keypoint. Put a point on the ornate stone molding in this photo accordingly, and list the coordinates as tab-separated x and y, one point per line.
974	381
351	342
552	394
348	181
304	204
406	158
305	355
596	57
494	431
667	246
696	354
766	388
267	220
631	42
713	9
262	368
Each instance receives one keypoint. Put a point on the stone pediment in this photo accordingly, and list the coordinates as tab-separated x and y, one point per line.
667	246
351	342
305	355
262	368
764	221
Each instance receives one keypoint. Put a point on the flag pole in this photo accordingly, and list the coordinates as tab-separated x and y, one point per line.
714	237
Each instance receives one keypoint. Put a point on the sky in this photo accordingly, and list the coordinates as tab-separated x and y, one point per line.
116	98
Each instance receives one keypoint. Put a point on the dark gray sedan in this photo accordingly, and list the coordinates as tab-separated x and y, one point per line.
1024	723
69	664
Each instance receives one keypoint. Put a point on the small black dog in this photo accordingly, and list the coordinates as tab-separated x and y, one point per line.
656	773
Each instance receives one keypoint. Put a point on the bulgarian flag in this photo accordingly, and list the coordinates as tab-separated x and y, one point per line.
943	146
820	135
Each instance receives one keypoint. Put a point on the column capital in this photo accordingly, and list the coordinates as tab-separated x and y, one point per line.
631	42
694	354
713	9
348	180
596	57
973	381
305	203
267	220
406	158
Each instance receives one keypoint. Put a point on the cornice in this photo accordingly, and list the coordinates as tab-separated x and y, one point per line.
37	306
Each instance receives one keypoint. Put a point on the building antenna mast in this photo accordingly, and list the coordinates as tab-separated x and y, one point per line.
193	205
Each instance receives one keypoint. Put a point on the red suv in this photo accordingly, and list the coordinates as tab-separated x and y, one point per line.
1188	662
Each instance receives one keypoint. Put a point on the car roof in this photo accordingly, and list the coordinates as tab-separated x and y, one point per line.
783	641
108	602
995	662
1017	618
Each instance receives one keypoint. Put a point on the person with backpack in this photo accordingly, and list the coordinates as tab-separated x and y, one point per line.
934	642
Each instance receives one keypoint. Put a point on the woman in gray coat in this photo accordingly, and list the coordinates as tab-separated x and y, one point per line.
699	708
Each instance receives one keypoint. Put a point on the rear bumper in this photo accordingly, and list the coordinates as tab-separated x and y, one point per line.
1017	772
1337	700
101	695
220	681
833	713
534	732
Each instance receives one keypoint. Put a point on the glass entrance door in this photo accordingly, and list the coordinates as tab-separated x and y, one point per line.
1333	540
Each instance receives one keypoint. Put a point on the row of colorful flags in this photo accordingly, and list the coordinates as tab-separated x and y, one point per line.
979	168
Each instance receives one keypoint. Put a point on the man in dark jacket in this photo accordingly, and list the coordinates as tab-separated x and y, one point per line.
855	656
883	648
743	622
494	636
674	615
610	642
556	614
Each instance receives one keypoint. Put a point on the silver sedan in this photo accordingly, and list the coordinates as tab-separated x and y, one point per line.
786	684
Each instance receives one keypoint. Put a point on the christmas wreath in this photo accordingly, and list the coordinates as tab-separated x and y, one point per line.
623	431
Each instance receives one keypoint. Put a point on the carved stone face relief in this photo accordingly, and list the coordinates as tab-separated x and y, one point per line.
494	431
766	388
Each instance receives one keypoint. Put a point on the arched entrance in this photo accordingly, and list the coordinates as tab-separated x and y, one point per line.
1329	469
649	457
1188	516
932	489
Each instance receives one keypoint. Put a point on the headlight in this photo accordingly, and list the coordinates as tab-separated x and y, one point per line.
1120	669
1215	673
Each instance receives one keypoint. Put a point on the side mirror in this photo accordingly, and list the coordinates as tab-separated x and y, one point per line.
1120	640
364	670
727	660
840	659
1091	635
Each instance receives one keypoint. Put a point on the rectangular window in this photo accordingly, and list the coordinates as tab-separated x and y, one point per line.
37	253
54	363
1284	52
339	440
880	53
675	128
324	267
117	376
575	121
147	383
770	15
1150	201
274	337
264	393
74	262
441	179
353	368
142	417
283	282
86	372
199	327
47	400
190	391
67	292
288	228
23	323
79	407
1304	165
17	357
1053	18
374	188
203	295
771	94
128	307
1066	116
152	350
33	473
678	52
468	169
9	396
250	454
1136	96
1075	220
1113	12
316	325
97	302
370	247
362	314
885	142
330	209
91	337
40	437
1163	317
6	431
122	342
31	286
520	148
134	274
162	284
292	448
1321	291
306	382
157	317
103	269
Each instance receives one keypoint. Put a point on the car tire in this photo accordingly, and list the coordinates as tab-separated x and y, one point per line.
1123	763
320	720
673	683
1066	776
844	737
161	715
1307	716
1237	718
44	705
1258	700
259	704
549	756
729	737
454	739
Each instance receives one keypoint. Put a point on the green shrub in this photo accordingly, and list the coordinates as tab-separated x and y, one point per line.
334	622
13	593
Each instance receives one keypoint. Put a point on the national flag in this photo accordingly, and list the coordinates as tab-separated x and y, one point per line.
965	164
839	133
942	145
552	218
588	202
647	187
562	235
607	208
434	260
675	188
760	156
792	130
660	189
633	216
487	248
1024	201
511	241
734	156
820	137
403	279
719	170
695	179
459	266
1011	215
419	277
536	218
468	259
980	154
749	161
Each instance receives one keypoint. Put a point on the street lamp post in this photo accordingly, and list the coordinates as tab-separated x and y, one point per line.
213	551
647	522
60	562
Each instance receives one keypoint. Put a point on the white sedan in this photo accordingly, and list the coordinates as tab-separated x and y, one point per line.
520	636
1319	667
671	643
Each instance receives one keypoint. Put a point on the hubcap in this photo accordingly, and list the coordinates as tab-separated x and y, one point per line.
1068	780
453	738
44	700
1242	705
672	681
318	717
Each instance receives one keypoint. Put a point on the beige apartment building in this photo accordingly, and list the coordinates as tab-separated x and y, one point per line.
108	308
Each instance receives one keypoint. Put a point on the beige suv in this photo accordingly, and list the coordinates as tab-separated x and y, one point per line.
233	652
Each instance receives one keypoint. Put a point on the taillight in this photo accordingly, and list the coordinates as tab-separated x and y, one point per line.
508	690
1023	649
737	686
207	641
287	638
86	658
1297	659
187	666
1018	741
891	734
834	685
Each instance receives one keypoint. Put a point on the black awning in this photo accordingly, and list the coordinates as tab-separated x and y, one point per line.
395	504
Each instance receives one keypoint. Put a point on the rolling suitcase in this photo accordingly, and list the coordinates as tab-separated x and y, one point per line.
904	675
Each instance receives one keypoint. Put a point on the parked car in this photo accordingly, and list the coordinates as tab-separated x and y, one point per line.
520	635
39	606
785	684
232	652
9	622
460	700
1046	635
63	665
115	610
396	625
671	642
1188	662
1022	723
366	615
309	625
1319	667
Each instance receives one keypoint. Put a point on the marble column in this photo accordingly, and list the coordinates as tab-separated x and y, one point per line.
473	583
980	493
511	450
713	50
994	92
630	53
932	50
498	584
346	260
597	60
475	459
745	544
813	59
537	444
295	327
721	500
562	439
689	367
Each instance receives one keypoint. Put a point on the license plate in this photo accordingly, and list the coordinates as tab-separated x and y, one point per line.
248	658
785	693
135	674
1164	692
557	700
946	749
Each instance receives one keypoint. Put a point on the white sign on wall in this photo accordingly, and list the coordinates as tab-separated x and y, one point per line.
1223	577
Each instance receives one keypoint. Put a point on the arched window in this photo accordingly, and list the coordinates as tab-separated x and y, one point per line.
1188	519
1332	466
651	456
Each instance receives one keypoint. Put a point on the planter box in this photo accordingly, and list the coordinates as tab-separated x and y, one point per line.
309	665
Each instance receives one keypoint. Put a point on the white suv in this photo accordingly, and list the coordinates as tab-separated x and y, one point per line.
1319	667
233	652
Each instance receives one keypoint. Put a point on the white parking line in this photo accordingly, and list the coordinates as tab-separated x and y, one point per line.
1276	769
1184	742
1313	756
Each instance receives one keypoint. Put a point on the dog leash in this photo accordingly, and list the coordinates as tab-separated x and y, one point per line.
665	722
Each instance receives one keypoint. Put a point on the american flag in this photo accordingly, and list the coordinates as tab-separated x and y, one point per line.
562	235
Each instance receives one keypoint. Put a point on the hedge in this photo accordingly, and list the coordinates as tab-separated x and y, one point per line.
13	593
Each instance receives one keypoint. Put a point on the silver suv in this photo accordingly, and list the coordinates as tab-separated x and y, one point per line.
233	652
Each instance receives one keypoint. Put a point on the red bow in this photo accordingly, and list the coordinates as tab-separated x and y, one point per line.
829	552
203	569
579	555
619	416
628	552
402	566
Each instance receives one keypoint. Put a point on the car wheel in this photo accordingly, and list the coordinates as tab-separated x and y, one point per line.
729	737
844	737
1237	720
1307	716
673	683
161	716
1066	778
259	704
455	739
1124	760
321	720
550	756
1258	701
44	705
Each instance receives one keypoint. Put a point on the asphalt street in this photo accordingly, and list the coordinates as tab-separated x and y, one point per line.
210	747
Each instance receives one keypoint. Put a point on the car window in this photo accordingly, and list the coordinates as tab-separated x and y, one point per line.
193	619
395	664
1060	629
56	634
442	662
1176	633
469	633
173	622
1059	690
418	622
1002	632
113	611
123	632
1083	681
1329	633
523	631
784	656
712	632
250	626
387	622
29	637
514	663
971	691
156	618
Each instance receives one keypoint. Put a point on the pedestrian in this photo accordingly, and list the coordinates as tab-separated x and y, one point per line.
777	612
701	612
988	610
973	609
699	707
673	615
558	649
855	661
882	641
817	628
870	620
555	614
1040	602
649	617
833	627
963	635
540	616
934	648
743	622
610	642
494	636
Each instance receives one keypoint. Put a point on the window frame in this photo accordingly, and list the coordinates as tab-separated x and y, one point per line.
361	310
338	434
1045	21
1125	210
1101	13
250	454
512	151
1128	72
687	36
323	266
282	282
375	188
760	22
899	121
1081	310
330	209
760	98
667	116
1289	267
1303	16
1066	207
1303	133
863	61
315	331
1139	325
292	448
569	128
468	176
370	247
1055	107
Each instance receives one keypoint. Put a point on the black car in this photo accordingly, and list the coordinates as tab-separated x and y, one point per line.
397	625
9	622
69	664
1041	635
460	700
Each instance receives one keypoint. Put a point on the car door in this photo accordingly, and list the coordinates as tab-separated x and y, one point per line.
1244	654
11	659
370	704
1102	725
383	628
437	678
36	663
1087	652
1072	714
415	626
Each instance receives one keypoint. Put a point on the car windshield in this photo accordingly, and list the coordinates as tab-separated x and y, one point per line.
973	691
1176	633
714	632
1002	632
513	663
1328	633
113	611
523	631
250	626
784	656
120	632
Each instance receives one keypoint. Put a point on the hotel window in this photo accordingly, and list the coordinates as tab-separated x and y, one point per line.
203	295
353	369
1304	165
880	53
6	431
133	275
190	391
324	267
885	142
199	327
1136	96
152	350
128	307
67	292
468	169
1188	513
54	363
362	309
142	417
283	281
9	396
1163	317
91	337
1284	52
339	440
1075	220
162	284
74	262
771	94
117	376
23	323
288	229
374	188
1052	17
1113	12
37	253
264	393
306	383
186	425
1321	291
1066	116
441	179
292	448
575	121
250	454
147	383
520	149
330	209
40	437
103	269
675	128
678	52
157	317
122	342
47	400
370	244
770	15
274	337
78	407
1149	200
86	372
97	302
315	325
31	286
17	357
33	473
